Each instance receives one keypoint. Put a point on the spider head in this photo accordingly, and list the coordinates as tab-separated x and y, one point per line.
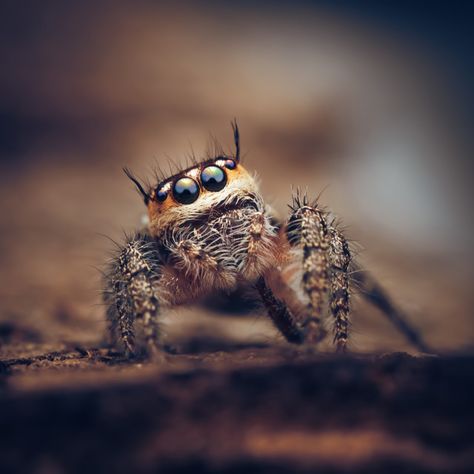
202	192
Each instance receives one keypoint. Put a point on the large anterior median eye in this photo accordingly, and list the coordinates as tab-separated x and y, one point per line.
213	178
185	190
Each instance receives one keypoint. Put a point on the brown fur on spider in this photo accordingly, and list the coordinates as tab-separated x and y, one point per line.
210	230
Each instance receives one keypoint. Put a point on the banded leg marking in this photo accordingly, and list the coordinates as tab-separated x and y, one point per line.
307	227
340	258
133	279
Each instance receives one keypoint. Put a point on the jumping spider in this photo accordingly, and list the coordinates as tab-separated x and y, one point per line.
210	230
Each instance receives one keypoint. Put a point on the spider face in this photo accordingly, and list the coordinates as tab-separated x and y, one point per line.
202	193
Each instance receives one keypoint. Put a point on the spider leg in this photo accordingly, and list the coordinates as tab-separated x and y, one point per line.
131	293
340	259
376	295
280	315
328	267
283	319
308	230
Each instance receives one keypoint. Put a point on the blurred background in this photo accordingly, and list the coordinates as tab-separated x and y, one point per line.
371	103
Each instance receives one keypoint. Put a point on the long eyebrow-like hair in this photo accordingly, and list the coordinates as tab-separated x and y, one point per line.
139	186
235	128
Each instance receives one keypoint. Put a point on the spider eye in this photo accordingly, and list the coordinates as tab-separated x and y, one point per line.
185	190
161	195
213	178
230	164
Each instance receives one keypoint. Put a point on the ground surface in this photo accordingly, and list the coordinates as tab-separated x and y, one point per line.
243	410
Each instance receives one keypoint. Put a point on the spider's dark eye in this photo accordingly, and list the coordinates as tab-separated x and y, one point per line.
161	195
185	190
230	164
213	178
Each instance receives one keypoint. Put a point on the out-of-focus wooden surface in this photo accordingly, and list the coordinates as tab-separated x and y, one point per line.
250	410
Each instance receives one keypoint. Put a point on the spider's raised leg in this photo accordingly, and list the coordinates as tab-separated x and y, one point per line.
131	293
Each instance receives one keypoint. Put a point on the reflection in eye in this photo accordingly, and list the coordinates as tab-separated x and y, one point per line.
213	178
185	190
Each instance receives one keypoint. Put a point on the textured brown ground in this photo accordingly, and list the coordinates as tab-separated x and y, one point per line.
249	410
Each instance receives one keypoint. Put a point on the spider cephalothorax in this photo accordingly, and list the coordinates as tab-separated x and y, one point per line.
209	230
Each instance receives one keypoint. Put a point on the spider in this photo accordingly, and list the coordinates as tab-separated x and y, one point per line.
209	230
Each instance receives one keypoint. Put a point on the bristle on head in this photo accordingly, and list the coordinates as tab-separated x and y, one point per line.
235	128
141	190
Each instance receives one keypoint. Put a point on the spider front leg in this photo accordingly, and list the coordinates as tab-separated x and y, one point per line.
307	231
340	259
131	293
325	269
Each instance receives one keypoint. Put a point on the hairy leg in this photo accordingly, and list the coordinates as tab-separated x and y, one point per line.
307	228
338	273
340	259
131	292
281	316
